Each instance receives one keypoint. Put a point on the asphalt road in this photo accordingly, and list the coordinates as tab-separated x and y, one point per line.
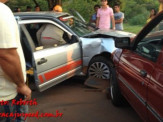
79	103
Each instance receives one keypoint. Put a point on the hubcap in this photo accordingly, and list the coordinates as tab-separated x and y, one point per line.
99	70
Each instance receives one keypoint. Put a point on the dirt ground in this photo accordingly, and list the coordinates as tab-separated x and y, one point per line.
79	103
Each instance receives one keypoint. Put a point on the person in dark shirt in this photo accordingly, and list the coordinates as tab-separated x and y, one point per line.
93	17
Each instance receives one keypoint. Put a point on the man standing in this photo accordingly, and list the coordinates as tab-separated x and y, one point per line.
37	8
93	17
12	65
118	16
105	16
161	5
28	8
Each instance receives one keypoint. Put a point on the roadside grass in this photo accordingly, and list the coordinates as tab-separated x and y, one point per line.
132	28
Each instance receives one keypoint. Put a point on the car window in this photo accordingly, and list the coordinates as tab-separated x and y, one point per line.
158	28
150	46
76	26
47	35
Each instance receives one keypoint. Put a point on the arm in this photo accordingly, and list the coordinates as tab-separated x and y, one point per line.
10	63
90	20
97	22
118	21
9	57
113	22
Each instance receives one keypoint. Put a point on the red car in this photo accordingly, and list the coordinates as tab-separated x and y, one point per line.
137	73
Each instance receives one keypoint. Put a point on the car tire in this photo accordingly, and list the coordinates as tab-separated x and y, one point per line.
115	94
99	67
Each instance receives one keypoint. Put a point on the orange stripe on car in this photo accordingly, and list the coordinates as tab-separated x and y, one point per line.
41	78
54	73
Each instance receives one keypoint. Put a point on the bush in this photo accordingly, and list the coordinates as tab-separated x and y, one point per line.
84	7
138	19
137	15
23	3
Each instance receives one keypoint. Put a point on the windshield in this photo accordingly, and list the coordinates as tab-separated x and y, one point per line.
76	26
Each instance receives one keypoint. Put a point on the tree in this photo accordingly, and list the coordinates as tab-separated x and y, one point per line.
136	11
36	3
113	2
52	3
84	7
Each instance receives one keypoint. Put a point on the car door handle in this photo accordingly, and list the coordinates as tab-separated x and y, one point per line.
143	73
42	60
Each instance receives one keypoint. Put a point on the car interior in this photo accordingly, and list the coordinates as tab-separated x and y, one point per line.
38	36
46	35
150	48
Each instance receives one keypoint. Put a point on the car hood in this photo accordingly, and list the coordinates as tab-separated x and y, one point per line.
100	42
111	33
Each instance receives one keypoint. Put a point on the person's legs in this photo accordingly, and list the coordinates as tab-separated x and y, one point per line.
10	112
21	109
5	111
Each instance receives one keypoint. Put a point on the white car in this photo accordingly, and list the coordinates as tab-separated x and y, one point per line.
57	46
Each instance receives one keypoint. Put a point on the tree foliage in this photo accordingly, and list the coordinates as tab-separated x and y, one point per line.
136	11
84	7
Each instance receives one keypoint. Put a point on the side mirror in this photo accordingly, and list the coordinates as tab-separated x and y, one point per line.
71	40
123	42
74	39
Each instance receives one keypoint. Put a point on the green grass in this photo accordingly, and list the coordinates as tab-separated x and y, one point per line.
132	28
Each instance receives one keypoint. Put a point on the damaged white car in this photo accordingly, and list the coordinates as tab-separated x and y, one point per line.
57	46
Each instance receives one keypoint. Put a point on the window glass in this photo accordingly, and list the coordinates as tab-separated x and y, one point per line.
159	27
151	45
76	26
46	35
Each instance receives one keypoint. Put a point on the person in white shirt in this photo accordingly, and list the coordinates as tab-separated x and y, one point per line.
12	65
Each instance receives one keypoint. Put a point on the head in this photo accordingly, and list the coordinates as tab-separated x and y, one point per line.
71	21
57	8
117	8
3	1
17	9
153	12
28	8
104	2
96	7
37	8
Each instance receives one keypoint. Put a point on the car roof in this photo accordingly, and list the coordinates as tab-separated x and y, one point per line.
45	13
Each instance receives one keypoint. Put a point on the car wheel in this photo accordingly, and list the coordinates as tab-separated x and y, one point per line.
115	94
99	67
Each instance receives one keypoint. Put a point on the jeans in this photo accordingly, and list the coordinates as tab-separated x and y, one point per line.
8	109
